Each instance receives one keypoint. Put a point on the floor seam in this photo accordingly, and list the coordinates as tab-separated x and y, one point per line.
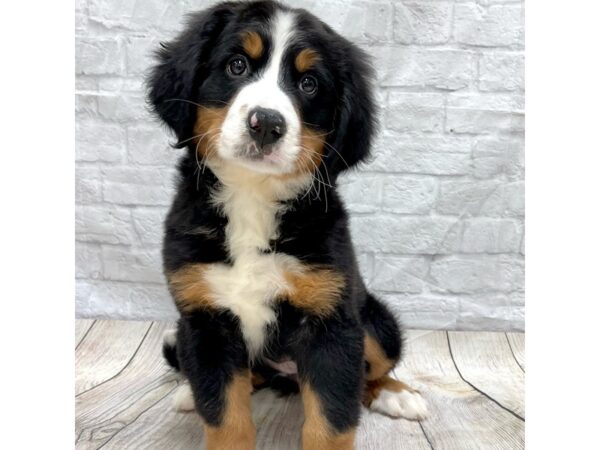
476	388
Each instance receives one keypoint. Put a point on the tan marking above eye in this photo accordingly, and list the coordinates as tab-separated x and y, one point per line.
306	59
252	44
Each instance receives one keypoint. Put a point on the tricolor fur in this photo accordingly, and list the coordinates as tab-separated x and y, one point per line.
271	106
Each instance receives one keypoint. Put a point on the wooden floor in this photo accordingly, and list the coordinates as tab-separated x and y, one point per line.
474	384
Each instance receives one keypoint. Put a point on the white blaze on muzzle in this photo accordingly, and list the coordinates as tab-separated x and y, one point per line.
265	92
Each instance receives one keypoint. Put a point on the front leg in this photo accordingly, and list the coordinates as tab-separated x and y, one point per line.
330	366
213	357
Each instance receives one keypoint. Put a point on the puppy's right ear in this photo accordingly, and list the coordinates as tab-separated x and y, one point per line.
174	80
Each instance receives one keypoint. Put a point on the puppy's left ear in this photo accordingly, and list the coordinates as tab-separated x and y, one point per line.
356	120
175	79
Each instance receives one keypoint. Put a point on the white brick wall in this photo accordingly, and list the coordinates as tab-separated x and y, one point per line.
437	216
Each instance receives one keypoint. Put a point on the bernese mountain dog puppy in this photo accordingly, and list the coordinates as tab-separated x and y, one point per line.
271	106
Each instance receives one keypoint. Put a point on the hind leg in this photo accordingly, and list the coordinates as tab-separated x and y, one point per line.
383	345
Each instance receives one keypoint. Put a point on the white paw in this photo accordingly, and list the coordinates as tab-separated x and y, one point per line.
410	405
170	337
183	400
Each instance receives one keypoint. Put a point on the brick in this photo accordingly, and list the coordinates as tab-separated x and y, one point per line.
139	51
399	274
507	200
129	264
81	16
410	112
98	56
424	311
150	145
99	142
88	185
494	26
361	192
359	21
502	72
493	157
148	225
422	23
134	15
409	195
120	85
464	197
85	83
86	105
120	107
494	312
483	235
477	113
103	224
472	274
138	186
402	234
367	21
481	198
441	69
448	155
88	260
119	300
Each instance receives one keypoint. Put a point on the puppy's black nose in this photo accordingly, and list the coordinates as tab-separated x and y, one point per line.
266	126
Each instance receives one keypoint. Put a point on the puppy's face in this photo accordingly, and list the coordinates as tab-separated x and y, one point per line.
275	95
265	87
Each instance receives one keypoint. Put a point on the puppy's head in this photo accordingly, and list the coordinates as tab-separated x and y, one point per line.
265	87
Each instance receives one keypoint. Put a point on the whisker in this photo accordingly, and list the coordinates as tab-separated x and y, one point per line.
339	154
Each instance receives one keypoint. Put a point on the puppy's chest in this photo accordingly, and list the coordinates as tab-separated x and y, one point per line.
256	276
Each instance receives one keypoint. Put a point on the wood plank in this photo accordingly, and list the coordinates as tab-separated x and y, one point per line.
278	421
132	408
111	406
107	349
82	326
486	362
517	345
459	416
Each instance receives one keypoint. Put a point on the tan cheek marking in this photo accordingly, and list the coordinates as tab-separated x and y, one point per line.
310	156
317	433
236	432
207	129
306	59
252	44
315	290
379	364
374	387
190	289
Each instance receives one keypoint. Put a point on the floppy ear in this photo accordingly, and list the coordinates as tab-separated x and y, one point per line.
356	119
174	80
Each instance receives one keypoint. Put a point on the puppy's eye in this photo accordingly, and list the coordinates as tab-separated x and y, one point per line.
308	85
237	66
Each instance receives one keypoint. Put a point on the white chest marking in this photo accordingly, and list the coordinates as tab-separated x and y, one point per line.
249	286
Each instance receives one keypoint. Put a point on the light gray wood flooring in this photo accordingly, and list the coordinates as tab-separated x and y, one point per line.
473	381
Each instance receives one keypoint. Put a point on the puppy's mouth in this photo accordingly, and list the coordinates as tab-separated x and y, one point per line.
267	154
267	158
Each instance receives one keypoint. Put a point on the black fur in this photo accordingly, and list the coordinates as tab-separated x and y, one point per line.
210	347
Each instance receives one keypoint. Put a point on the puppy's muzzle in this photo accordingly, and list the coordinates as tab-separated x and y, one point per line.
266	126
